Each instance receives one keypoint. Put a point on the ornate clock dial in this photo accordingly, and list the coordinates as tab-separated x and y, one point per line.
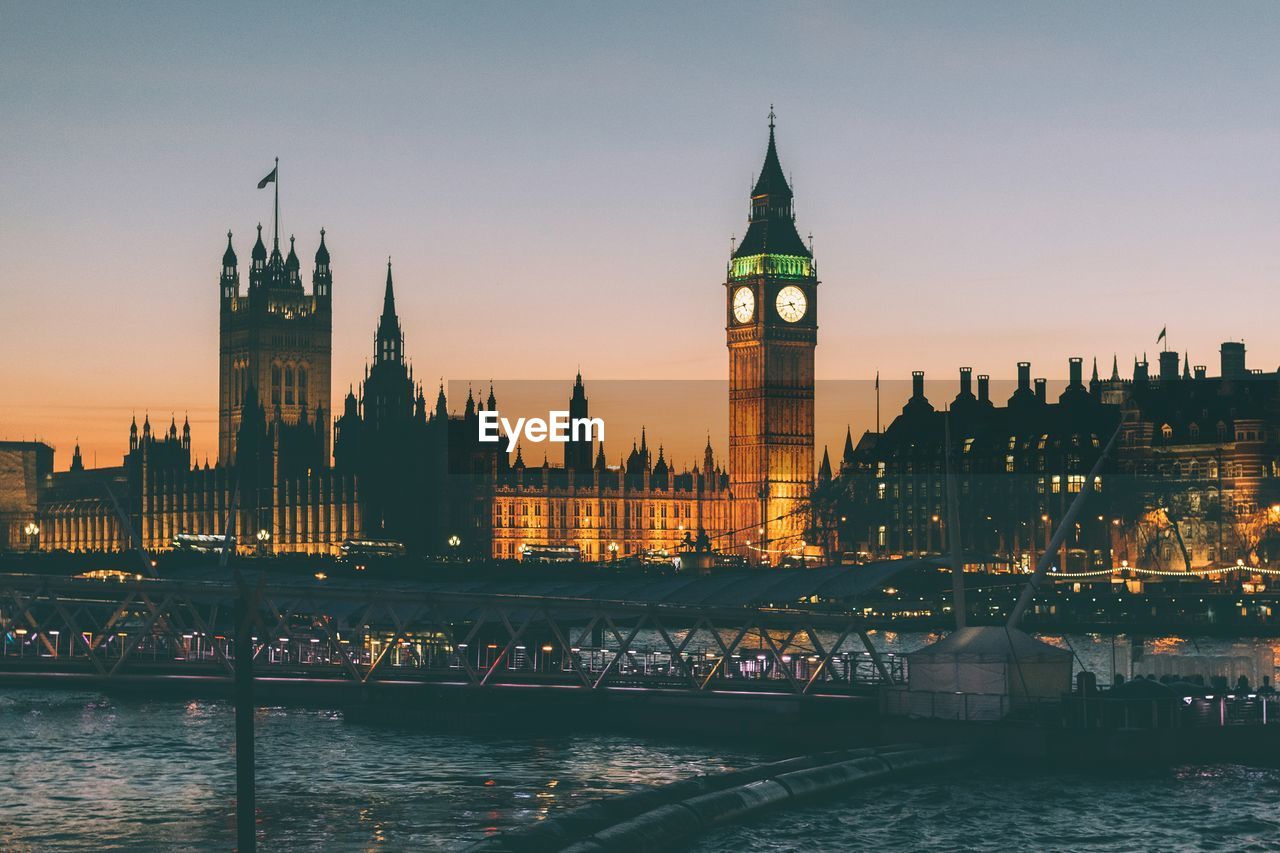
791	303
744	304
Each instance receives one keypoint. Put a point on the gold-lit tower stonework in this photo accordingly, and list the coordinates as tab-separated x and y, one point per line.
771	310
277	340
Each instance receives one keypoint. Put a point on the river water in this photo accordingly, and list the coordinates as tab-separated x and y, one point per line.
85	771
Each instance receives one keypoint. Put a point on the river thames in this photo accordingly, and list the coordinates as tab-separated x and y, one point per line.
87	771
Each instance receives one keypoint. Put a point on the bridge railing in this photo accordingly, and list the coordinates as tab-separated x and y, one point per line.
147	626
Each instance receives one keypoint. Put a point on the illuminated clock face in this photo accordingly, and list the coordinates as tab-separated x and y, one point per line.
744	304
791	303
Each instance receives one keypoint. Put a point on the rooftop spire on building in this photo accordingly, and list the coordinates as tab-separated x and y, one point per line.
322	253
259	250
772	227
389	295
229	256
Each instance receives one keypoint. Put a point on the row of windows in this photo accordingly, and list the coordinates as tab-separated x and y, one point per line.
289	385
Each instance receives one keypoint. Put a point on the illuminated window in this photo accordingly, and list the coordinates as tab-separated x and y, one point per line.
1166	431
1057	484
1008	462
1075	483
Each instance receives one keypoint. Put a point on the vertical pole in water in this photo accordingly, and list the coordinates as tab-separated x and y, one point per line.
245	604
246	835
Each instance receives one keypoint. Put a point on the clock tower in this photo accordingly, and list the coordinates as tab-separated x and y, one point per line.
771	296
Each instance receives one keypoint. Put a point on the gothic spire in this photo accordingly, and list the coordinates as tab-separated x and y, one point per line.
322	253
389	296
772	227
229	256
390	341
259	250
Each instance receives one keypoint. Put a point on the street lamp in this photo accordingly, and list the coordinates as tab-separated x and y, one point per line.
32	530
263	536
454	541
613	551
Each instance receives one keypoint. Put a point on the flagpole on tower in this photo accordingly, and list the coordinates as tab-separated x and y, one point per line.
276	235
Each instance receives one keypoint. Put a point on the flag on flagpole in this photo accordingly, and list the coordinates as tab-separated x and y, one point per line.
1158	339
269	179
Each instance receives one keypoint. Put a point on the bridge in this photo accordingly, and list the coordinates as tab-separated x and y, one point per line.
745	635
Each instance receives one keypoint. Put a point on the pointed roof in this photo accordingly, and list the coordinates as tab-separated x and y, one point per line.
848	444
1115	368
389	296
291	262
1093	380
824	470
322	253
259	250
1186	364
229	256
772	227
772	180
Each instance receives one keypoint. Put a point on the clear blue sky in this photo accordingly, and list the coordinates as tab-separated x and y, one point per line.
557	184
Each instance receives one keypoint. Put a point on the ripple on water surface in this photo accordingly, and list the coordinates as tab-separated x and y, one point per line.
87	772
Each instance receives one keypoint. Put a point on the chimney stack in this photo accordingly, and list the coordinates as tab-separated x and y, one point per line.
1024	376
1201	371
966	382
984	388
1041	394
1076	367
917	384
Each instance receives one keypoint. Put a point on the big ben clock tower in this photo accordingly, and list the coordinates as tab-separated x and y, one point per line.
771	309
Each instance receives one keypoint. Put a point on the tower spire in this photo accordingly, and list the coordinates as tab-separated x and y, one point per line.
772	227
389	296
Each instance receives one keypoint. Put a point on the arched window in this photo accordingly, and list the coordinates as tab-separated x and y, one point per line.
1166	432
1222	431
276	384
288	385
1194	430
302	385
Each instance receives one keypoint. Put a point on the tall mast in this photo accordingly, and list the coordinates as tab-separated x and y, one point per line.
275	237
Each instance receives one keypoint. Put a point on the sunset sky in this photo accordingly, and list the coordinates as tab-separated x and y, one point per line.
558	183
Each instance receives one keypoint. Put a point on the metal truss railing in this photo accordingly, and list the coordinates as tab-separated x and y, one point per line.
146	626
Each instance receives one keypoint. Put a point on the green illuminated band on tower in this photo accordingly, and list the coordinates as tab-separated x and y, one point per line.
785	266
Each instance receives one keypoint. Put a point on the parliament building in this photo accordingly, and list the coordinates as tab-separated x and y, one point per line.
392	469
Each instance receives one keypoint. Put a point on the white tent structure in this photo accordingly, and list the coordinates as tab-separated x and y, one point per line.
980	673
